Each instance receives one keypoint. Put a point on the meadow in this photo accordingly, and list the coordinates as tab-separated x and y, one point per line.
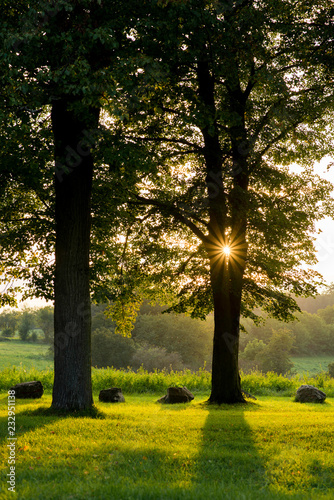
24	361
14	352
311	364
271	448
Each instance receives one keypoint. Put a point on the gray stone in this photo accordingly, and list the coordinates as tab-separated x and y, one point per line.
28	390
177	395
309	394
112	395
248	395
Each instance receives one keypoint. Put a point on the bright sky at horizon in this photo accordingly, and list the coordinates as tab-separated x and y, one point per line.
325	240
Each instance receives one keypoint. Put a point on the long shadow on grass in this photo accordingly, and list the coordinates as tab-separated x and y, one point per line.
128	457
22	411
228	459
28	417
104	460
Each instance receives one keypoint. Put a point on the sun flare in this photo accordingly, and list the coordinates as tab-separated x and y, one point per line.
227	250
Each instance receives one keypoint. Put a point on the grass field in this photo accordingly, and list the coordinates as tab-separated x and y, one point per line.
33	355
14	352
141	450
311	365
272	448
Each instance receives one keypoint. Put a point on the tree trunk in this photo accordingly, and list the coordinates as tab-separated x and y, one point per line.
72	316
225	384
226	272
227	226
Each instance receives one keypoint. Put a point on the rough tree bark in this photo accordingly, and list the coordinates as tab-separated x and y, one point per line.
227	226
71	126
225	385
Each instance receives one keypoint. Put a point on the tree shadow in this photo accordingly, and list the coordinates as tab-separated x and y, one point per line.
29	418
74	466
22	409
170	452
228	457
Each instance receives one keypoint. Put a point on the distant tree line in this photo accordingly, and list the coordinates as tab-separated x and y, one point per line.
29	324
158	341
176	341
269	345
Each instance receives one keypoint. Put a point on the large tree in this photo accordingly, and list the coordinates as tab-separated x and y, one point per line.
221	97
59	59
234	93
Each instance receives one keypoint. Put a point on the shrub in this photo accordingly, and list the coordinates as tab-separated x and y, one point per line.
275	356
25	325
44	319
156	358
110	349
33	337
253	349
7	332
331	370
8	322
190	338
271	357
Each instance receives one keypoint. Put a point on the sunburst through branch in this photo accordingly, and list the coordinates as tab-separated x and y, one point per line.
232	252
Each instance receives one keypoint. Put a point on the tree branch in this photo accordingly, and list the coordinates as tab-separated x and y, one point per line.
184	264
175	212
276	139
168	139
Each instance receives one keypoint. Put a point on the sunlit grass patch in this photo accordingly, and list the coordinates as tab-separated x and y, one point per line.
24	355
272	448
311	365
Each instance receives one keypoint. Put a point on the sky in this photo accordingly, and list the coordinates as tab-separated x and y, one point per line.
325	240
325	249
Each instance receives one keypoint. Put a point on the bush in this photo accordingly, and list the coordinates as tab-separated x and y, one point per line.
33	337
44	319
253	349
331	370
25	325
110	349
275	356
270	357
156	358
7	332
190	338
249	358
8	322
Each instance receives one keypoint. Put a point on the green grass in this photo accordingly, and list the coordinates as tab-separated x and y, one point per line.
270	449
14	352
311	365
31	362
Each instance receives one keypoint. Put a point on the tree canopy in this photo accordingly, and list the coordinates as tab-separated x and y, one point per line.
205	105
